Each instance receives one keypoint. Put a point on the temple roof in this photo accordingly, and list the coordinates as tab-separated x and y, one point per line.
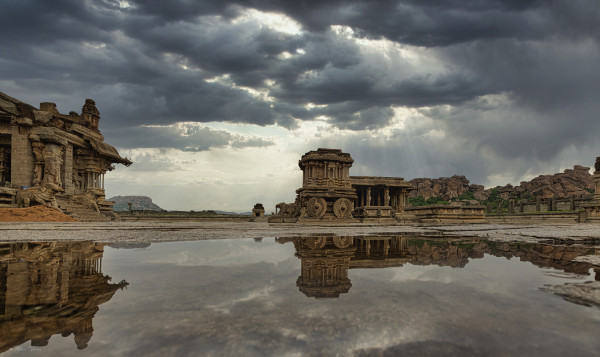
53	122
376	180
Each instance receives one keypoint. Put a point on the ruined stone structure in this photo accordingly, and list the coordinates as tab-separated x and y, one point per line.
258	213
258	210
41	147
592	208
330	194
326	192
380	198
50	288
447	214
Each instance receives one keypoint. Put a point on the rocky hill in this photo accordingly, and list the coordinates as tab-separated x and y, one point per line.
138	203
577	181
445	188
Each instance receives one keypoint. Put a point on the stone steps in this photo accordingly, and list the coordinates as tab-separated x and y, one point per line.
8	205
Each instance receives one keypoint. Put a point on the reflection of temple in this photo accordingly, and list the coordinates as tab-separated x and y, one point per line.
51	288
325	262
326	259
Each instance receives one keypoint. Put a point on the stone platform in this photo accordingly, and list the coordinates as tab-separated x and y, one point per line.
447	214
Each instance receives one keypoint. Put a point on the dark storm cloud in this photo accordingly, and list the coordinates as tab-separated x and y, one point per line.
148	62
428	23
184	137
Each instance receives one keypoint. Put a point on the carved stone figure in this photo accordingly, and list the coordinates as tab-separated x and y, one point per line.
287	209
41	195
53	160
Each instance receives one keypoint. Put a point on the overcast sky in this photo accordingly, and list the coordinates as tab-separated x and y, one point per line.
215	101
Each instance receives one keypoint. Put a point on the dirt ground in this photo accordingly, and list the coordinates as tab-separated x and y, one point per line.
34	214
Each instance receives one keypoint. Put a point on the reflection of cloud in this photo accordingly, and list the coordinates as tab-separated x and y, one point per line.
221	253
225	307
256	308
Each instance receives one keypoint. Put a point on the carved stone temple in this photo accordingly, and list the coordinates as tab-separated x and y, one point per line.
330	194
55	159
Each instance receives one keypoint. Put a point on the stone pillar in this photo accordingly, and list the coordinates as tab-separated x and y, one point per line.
489	208
368	202
4	160
553	204
68	170
386	196
22	162
499	208
511	206
597	186
538	204
572	203
521	205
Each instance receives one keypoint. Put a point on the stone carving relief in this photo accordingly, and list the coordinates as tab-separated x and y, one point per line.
342	208
315	242
40	195
38	152
90	113
53	161
343	242
316	207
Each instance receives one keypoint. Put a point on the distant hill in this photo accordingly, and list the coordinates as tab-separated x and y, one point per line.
577	181
138	203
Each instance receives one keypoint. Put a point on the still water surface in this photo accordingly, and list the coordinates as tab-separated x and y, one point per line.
346	296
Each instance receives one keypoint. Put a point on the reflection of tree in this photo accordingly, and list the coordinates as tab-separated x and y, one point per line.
326	259
48	288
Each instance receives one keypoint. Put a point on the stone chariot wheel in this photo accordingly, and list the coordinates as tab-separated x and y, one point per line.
342	208
316	242
316	207
343	242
